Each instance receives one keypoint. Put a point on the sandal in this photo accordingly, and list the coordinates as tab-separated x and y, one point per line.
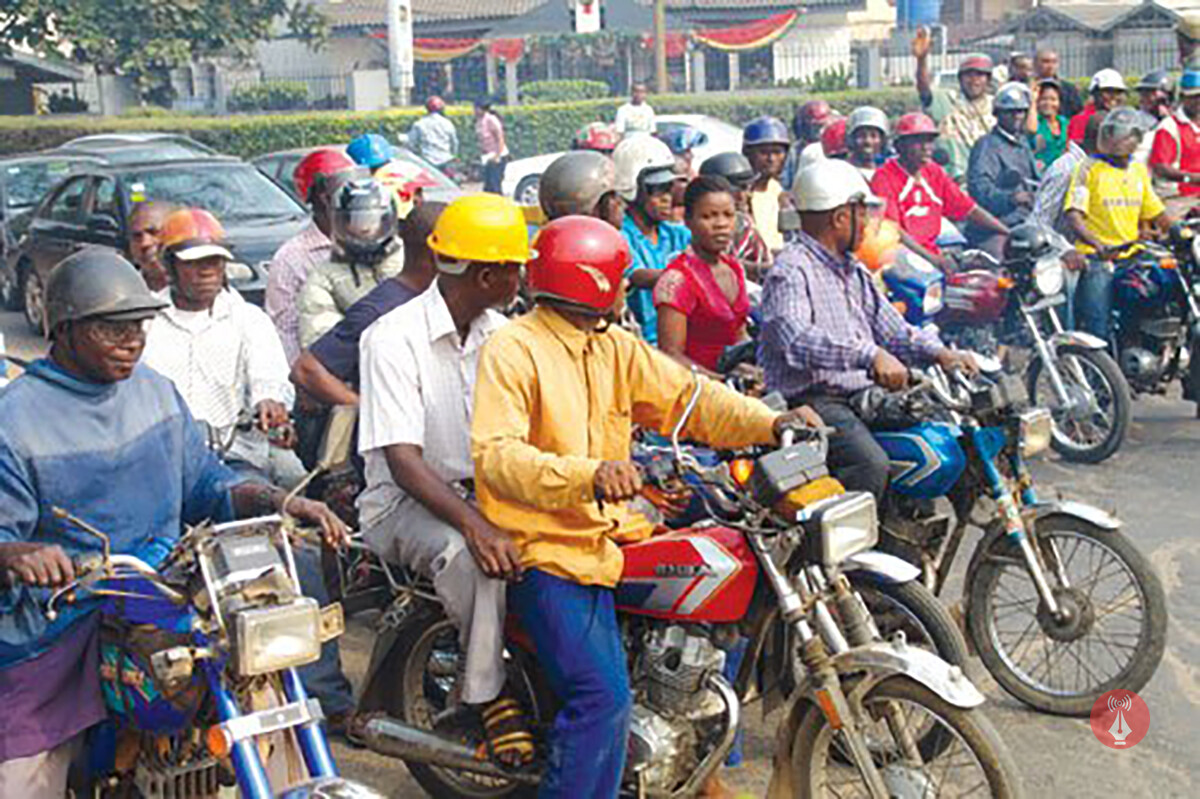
507	739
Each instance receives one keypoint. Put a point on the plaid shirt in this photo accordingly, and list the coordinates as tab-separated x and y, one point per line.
288	271
824	319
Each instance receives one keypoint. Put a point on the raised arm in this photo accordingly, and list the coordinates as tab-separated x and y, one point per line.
921	44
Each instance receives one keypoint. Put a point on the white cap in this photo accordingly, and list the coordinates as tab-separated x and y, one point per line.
195	252
1107	79
831	183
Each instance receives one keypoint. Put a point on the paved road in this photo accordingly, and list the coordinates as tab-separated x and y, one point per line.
1153	484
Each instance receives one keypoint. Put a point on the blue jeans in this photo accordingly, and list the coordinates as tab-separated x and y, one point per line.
574	628
1094	299
323	679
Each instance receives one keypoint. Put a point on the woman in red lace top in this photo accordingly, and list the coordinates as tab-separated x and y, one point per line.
701	296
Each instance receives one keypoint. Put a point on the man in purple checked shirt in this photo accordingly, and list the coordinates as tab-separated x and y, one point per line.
828	333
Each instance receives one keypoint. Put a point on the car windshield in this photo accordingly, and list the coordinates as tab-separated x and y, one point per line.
27	182
232	192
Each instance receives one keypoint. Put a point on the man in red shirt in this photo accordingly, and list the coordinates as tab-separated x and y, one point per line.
919	192
1175	156
1108	91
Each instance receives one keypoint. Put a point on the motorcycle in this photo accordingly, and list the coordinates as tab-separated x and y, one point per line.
1013	307
879	714
1059	604
1156	316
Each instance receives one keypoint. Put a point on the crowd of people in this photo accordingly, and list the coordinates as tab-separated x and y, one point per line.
496	450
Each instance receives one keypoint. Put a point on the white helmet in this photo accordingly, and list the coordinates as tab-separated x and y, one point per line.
866	116
1107	79
830	183
637	155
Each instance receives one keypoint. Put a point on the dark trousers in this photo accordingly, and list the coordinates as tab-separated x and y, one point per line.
855	457
574	628
493	176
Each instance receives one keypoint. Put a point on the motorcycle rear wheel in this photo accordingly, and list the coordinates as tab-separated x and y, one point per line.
1114	650
822	767
1110	417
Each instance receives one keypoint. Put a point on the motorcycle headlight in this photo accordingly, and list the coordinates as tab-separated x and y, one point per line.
279	637
1036	429
933	300
1048	275
841	527
1196	249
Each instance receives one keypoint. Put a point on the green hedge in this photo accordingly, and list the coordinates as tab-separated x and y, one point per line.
563	91
272	95
532	129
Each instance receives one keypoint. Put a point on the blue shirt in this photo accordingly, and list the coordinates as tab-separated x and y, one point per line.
125	457
337	350
672	240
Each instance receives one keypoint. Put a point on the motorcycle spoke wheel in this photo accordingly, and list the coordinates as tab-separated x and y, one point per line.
1114	637
1093	426
973	762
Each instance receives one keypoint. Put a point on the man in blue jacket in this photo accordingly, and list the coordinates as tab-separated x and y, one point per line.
89	430
1002	174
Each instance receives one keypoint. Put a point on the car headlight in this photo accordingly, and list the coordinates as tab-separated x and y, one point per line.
933	301
841	527
238	272
1037	427
1048	275
279	637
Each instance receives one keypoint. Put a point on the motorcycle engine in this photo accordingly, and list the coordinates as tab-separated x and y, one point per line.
670	684
1141	367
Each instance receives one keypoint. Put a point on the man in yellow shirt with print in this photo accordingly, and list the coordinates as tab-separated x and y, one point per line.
556	398
1109	198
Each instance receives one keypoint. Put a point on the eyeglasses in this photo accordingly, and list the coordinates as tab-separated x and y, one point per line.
114	333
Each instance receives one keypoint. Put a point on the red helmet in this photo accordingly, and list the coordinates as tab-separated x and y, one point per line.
915	124
599	136
319	163
810	119
833	138
975	62
435	104
579	260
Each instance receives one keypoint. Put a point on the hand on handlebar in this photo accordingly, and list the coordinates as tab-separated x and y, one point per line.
617	481
957	360
42	565
334	532
888	371
802	416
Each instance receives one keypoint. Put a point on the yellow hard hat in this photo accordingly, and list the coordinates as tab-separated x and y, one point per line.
484	228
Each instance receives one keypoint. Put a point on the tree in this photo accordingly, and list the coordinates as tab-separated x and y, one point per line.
145	39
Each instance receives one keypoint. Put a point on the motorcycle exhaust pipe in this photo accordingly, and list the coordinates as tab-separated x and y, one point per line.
392	737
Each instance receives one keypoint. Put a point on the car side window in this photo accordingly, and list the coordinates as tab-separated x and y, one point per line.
105	199
67	205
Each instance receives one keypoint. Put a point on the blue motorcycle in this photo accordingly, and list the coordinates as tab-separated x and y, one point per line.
1059	604
198	660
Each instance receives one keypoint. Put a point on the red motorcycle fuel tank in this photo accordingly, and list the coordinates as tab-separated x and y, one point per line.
976	297
697	575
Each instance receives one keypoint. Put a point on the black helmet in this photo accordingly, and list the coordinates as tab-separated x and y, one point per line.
97	283
734	167
1026	240
1159	79
575	182
364	219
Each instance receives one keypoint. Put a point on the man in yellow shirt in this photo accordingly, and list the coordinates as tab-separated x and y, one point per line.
1110	196
556	398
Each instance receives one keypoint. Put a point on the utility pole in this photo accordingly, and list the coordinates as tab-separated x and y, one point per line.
661	84
400	50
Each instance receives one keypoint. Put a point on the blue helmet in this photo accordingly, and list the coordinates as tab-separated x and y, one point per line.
370	150
682	138
1190	82
765	130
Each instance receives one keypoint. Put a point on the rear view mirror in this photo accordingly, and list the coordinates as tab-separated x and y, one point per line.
338	442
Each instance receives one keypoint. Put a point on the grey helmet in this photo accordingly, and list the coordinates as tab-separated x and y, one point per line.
866	116
1013	97
575	183
1157	79
1119	126
97	283
734	167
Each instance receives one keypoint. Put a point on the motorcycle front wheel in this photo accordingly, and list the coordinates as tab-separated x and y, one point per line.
1113	637
974	759
1090	427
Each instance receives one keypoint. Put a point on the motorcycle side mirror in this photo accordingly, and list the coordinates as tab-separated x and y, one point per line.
698	387
337	444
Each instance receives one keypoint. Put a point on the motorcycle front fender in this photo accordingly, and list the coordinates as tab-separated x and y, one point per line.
1079	510
1076	338
881	567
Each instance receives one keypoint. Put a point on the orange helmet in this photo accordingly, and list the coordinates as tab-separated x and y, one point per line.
880	245
190	234
579	260
316	167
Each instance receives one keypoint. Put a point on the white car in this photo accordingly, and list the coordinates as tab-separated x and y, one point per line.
521	177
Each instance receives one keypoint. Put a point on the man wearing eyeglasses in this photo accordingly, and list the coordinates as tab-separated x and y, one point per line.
92	431
828	332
